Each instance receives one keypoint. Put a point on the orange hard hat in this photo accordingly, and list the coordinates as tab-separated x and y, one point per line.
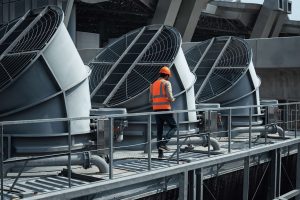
165	70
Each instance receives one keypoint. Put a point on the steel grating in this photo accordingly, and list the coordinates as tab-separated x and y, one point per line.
218	64
125	69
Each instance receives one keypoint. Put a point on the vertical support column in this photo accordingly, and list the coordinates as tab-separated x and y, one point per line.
199	184
12	9
278	152
229	130
183	186
296	119
34	4
281	18
272	186
149	142
111	147
166	12
246	178
209	130
5	11
188	17
177	143
27	5
298	171
192	183
68	12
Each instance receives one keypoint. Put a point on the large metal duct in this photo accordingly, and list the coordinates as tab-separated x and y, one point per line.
123	71
225	75
42	76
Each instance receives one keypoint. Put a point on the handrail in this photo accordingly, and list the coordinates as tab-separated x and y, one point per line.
111	148
138	114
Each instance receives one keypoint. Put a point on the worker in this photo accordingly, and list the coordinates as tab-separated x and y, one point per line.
161	97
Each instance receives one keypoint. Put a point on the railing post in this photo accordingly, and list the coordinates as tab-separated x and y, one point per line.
149	142
2	154
199	186
69	149
287	117
209	129
296	118
111	147
177	124
229	131
250	126
298	171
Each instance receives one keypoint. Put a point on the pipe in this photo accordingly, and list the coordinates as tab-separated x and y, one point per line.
85	159
261	129
196	140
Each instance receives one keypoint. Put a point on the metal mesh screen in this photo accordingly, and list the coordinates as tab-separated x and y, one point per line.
22	45
126	68
217	73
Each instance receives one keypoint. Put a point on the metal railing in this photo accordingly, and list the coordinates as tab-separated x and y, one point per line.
291	120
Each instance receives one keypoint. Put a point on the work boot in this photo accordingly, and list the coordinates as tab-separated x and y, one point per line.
164	148
160	154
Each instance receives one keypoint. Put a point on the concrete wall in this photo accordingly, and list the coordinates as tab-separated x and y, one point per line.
277	62
280	84
276	52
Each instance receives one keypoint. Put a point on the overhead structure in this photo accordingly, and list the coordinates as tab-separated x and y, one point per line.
225	75
123	71
36	56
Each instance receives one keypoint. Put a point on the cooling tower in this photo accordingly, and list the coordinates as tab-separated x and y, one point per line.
225	75
42	76
123	71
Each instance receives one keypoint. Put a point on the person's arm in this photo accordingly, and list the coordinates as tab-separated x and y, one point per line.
169	91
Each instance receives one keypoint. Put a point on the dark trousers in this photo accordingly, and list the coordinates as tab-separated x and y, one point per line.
160	120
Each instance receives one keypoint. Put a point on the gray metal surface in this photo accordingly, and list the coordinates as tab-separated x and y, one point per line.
36	56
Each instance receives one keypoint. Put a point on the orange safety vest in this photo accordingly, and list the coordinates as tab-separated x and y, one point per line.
160	100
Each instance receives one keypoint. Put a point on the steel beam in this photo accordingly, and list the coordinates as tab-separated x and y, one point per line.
269	21
166	12
281	19
188	17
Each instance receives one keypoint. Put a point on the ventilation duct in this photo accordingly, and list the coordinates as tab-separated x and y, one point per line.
42	77
225	75
123	71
